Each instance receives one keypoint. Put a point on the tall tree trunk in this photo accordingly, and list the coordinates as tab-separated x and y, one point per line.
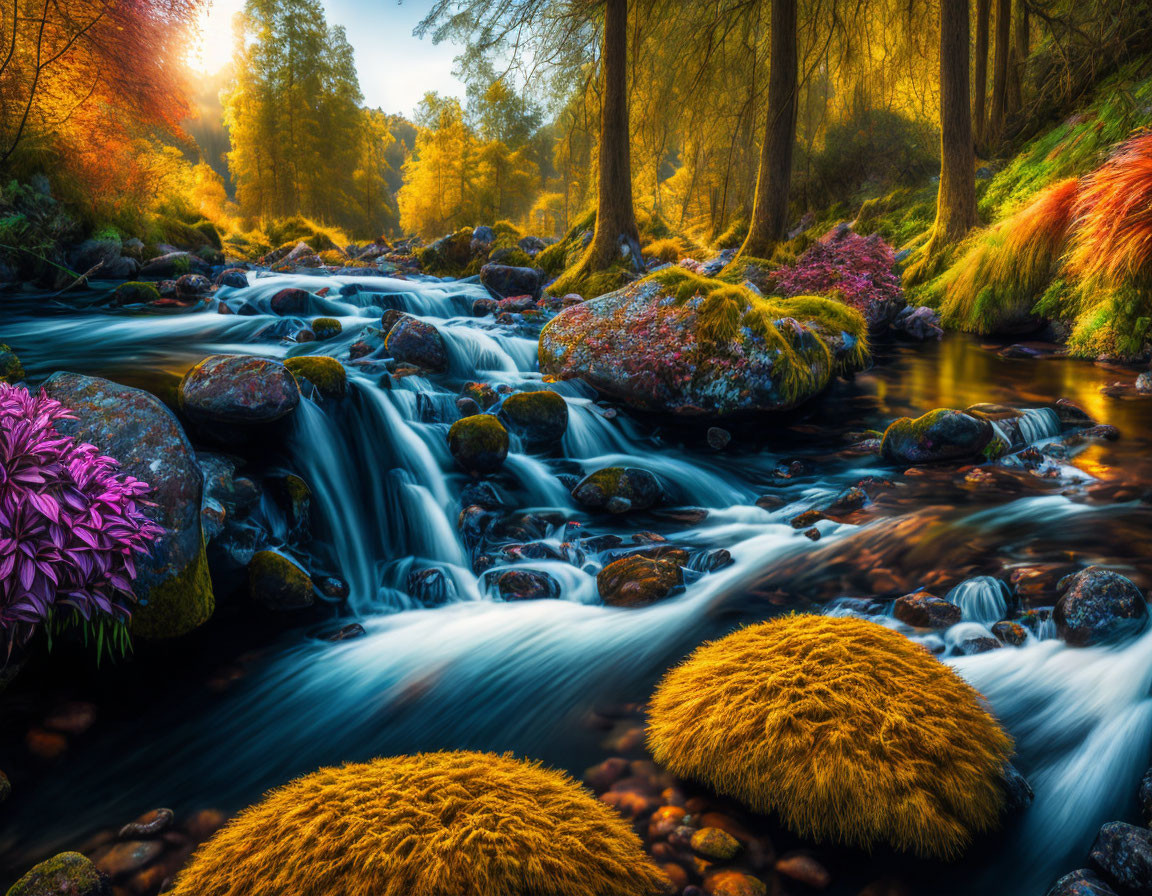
1000	72
1019	61
980	72
956	198
770	210
615	218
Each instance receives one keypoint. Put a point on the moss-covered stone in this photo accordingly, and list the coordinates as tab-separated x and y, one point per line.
642	579
618	490
327	327
279	583
66	874
11	370
177	605
539	418
135	293
325	373
940	435
680	343
479	443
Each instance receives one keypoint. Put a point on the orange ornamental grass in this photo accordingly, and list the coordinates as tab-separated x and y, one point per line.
433	824
1112	242
998	280
845	729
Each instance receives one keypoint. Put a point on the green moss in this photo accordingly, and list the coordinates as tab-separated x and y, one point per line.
727	310
278	582
11	370
516	258
181	265
479	443
135	293
208	229
67	873
552	259
179	604
325	373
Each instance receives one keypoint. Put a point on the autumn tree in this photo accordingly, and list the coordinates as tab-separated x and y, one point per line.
82	81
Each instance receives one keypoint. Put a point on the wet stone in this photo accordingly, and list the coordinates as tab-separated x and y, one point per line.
1124	853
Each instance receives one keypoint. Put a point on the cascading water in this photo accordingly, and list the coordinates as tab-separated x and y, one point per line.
481	673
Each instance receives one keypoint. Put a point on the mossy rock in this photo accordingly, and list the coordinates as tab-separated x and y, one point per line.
642	579
940	435
327	327
618	490
432	824
11	370
178	605
479	443
325	373
277	582
66	874
843	729
135	293
538	418
684	344
513	257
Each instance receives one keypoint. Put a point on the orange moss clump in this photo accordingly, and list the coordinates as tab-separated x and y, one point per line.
845	729
434	824
1112	243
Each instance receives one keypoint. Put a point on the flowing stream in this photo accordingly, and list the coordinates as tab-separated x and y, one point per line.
481	673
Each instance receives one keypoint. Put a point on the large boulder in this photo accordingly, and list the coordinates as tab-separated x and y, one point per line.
682	344
505	280
939	435
172	582
66	874
1124	853
1098	606
238	389
539	418
414	341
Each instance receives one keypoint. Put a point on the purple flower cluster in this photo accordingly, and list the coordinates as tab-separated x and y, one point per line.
862	269
69	526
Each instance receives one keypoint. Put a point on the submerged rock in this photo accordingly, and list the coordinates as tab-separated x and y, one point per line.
413	341
327	327
134	293
291	302
723	353
135	428
479	443
325	373
66	874
233	278
539	418
642	579
1124	853
618	490
278	582
1099	606
238	389
939	435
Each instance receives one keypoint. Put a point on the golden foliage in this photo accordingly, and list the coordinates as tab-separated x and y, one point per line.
845	729
433	824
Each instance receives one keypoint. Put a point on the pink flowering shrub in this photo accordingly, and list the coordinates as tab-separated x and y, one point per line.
858	270
69	525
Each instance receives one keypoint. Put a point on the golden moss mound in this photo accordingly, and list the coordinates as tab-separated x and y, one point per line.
844	729
434	824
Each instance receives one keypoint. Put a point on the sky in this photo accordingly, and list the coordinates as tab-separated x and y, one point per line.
396	69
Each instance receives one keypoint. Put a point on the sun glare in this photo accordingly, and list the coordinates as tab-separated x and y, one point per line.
213	49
